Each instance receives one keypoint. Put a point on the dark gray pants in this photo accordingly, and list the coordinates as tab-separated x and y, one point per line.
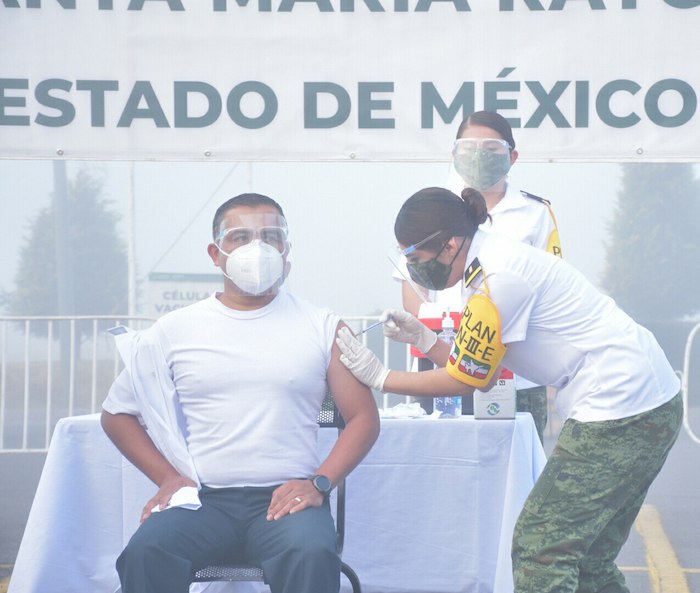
534	400
582	507
297	553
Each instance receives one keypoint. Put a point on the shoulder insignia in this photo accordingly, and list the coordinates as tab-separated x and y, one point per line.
472	271
534	197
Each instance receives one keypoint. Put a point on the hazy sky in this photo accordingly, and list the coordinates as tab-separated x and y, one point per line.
341	216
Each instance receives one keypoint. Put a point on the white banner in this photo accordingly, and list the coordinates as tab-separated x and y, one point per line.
580	80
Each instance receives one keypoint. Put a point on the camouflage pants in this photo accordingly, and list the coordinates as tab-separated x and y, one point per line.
534	400
581	510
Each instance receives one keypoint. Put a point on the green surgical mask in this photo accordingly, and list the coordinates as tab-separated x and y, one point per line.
432	274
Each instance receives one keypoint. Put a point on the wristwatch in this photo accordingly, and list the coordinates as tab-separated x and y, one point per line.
322	484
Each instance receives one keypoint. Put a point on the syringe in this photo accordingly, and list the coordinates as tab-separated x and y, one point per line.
375	324
369	327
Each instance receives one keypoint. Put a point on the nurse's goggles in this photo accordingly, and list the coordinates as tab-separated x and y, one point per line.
267	228
411	248
471	145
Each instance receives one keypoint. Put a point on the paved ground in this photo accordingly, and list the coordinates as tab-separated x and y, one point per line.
662	554
20	476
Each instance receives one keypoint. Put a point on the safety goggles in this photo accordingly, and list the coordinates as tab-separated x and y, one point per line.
471	145
411	248
233	238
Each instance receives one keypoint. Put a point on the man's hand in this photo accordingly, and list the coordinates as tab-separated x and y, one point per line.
401	326
167	488
292	497
361	360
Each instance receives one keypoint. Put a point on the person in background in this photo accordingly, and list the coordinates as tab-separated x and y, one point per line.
483	154
538	316
249	368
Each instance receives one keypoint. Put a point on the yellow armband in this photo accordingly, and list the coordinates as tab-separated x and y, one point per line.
478	349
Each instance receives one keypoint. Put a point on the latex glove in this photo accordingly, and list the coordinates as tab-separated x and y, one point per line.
360	360
401	326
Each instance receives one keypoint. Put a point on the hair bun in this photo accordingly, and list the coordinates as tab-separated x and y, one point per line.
475	205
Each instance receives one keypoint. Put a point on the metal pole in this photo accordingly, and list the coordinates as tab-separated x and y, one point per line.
131	242
65	270
685	383
62	234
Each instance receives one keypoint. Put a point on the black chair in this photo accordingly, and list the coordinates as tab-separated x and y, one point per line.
327	417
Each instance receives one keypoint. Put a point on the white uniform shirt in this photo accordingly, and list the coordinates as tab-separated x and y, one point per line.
561	331
522	219
250	384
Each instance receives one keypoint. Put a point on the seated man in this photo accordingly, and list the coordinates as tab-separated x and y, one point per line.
249	369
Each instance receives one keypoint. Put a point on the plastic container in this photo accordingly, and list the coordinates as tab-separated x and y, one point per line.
449	406
433	316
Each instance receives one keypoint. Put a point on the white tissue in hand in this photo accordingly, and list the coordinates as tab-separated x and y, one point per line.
186	497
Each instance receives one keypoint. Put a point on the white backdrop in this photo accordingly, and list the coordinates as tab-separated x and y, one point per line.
255	80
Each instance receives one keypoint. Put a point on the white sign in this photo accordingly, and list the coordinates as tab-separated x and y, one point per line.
346	79
167	292
499	402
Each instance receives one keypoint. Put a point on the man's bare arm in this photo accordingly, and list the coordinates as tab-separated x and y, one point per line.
359	410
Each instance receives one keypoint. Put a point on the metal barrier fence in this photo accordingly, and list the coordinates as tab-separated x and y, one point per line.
685	382
51	367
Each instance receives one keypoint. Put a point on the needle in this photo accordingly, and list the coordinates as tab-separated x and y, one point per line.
369	327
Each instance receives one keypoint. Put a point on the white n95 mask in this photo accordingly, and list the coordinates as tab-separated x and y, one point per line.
255	267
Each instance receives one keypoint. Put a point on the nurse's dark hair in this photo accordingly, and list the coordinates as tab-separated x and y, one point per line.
241	200
488	119
434	209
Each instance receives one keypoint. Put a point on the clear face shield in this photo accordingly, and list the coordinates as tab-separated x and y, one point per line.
430	273
255	245
481	162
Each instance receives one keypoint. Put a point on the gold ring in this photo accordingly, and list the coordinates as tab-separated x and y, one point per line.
297	499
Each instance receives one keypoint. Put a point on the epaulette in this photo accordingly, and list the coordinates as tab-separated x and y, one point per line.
534	197
472	271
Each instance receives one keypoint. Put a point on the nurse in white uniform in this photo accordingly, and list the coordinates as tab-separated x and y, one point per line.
483	153
538	316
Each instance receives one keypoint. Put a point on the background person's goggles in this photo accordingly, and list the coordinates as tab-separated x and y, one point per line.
471	145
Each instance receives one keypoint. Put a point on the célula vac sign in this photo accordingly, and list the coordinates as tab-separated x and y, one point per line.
170	291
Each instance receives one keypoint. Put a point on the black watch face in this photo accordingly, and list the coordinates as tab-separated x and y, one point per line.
322	484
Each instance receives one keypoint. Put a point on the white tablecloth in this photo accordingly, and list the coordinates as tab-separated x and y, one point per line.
431	509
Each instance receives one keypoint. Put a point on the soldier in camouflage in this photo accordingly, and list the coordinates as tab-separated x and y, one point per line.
582	508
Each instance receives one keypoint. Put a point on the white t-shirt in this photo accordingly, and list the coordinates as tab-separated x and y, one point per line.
562	332
250	385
